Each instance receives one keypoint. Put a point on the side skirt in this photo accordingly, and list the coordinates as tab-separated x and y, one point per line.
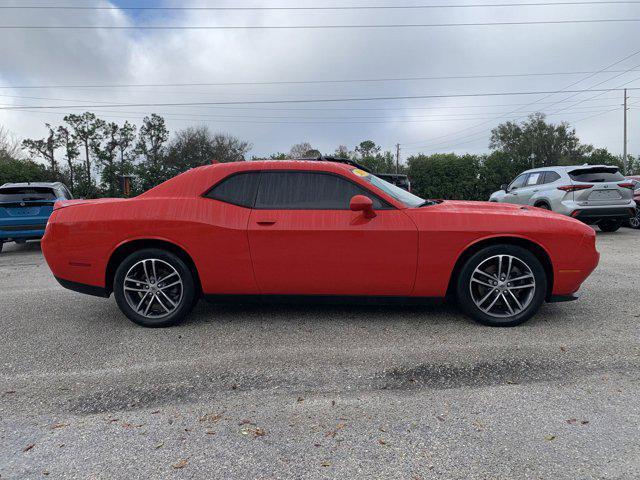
321	300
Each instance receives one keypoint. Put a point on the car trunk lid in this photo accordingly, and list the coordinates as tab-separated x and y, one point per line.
599	186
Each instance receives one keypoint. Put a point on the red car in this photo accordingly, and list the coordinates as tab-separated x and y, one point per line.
313	230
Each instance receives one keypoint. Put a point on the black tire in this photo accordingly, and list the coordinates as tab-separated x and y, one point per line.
531	298
1	244
610	225
544	206
179	298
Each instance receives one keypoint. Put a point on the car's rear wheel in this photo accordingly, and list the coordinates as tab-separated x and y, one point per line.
154	288
634	222
544	206
1	244
501	285
610	225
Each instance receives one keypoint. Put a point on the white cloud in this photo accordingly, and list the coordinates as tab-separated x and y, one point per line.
44	57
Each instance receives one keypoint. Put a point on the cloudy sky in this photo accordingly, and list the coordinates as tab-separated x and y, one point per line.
135	67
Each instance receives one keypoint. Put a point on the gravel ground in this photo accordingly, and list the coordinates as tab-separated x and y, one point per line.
319	392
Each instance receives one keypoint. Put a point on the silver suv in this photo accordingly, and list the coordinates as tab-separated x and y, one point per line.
594	194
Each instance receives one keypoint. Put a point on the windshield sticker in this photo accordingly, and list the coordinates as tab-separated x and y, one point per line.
360	173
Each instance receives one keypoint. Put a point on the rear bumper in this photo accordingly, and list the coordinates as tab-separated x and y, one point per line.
83	288
21	232
593	215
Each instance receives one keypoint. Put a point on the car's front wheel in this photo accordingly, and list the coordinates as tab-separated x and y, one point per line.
154	288
610	225
634	222
501	285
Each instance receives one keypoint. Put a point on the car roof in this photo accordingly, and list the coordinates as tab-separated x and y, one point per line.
33	184
293	164
566	168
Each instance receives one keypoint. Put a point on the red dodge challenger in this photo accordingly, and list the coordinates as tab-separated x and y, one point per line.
314	230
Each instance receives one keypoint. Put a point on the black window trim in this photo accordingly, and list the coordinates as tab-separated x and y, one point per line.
385	204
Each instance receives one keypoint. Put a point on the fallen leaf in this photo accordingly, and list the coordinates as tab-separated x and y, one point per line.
549	438
333	403
45	472
210	432
584	422
325	464
211	417
382	442
256	432
572	421
181	464
440	417
160	445
563	348
300	400
59	425
10	392
511	382
28	447
155	411
317	445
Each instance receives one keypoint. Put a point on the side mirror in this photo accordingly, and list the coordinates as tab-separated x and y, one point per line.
504	187
360	203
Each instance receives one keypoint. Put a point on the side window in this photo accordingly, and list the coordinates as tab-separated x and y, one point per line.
518	182
534	179
550	177
239	189
309	191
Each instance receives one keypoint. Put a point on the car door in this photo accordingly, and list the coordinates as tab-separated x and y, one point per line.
530	188
512	194
305	240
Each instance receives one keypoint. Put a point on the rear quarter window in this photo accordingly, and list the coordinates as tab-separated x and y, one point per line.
596	175
238	189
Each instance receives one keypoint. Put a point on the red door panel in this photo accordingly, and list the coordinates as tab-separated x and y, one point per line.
333	252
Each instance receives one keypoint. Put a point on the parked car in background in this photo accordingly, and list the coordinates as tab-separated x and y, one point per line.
25	209
634	222
269	230
396	179
595	194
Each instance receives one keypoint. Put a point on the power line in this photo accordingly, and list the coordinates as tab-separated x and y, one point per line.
564	90
301	82
313	27
337	8
303	101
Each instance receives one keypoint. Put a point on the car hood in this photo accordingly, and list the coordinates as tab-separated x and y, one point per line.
494	208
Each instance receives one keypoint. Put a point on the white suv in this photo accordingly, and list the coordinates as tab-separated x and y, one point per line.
594	194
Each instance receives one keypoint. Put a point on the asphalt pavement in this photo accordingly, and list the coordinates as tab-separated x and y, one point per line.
319	391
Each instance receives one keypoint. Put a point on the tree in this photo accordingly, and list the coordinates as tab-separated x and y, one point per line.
542	144
20	170
197	146
380	163
106	154
300	150
71	153
343	152
447	176
151	147
10	146
45	148
86	130
367	149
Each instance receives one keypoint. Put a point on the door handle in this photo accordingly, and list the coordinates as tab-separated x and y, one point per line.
266	222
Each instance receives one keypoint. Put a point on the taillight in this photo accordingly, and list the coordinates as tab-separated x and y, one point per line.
573	188
626	185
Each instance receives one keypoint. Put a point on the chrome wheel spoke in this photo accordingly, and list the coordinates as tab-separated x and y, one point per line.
494	291
164	287
145	292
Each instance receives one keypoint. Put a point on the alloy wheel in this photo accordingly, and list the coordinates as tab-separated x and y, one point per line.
153	288
635	220
502	286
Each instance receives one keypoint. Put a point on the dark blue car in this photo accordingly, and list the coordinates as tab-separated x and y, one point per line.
25	209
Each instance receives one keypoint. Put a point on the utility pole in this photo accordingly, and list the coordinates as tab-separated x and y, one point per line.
397	158
624	146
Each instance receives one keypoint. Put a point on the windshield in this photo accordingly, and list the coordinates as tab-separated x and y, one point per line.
26	194
406	198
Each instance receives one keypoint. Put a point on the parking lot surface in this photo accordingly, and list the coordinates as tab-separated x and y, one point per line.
319	391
